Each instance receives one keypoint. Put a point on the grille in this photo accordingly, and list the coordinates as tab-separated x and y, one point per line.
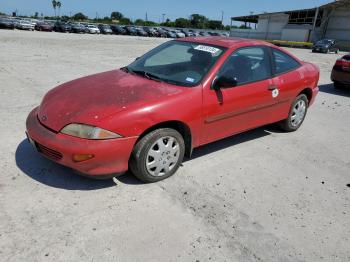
55	155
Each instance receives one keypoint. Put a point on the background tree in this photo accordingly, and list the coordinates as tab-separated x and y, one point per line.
182	22
36	15
54	5
59	4
198	21
215	24
117	15
80	16
139	22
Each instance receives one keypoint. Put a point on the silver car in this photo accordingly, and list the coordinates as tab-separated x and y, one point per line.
25	25
93	29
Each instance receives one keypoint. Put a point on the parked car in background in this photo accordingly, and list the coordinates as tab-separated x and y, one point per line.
118	30
105	29
150	31
325	46
170	34
6	23
187	32
161	32
195	33
25	25
148	115
203	33
78	28
179	34
92	29
131	30
341	72
43	26
62	27
141	32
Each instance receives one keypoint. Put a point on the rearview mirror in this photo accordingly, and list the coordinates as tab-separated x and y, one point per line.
224	82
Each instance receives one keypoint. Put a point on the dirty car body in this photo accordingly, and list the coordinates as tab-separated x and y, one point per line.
193	91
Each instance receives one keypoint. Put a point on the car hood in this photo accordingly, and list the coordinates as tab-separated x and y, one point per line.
321	45
91	99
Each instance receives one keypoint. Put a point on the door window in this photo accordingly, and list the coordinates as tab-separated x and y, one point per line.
283	62
249	64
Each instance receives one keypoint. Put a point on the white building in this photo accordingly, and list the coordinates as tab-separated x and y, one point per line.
307	25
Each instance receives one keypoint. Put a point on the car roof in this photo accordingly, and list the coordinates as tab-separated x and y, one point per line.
227	42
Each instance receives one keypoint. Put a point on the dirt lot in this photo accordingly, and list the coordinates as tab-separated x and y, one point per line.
259	196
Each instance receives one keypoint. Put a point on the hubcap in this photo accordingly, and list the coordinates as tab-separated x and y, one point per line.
298	113
163	156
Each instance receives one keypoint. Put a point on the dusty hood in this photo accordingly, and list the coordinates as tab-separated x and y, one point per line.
90	99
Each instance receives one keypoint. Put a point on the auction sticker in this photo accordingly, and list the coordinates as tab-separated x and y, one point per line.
208	49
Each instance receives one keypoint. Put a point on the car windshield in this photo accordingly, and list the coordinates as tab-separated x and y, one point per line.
325	41
177	62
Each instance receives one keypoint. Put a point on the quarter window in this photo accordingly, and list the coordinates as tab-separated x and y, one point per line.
250	64
283	62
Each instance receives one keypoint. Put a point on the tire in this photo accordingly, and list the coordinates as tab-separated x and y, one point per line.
149	165
338	86
297	114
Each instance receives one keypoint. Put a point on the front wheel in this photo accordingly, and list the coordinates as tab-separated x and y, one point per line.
296	115
157	155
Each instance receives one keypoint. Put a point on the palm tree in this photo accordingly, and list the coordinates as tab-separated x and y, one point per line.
54	5
58	4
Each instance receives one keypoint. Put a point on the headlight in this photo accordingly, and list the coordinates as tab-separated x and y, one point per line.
88	132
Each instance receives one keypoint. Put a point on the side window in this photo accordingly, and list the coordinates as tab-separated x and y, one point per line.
283	62
250	64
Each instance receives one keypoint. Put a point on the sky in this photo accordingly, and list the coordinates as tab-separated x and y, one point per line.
155	8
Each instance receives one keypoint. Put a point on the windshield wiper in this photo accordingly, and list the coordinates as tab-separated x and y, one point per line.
147	75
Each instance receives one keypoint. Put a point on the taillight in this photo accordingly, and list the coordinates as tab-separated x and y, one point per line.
339	62
345	64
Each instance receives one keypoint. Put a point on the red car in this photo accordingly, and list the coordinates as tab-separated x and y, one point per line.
183	94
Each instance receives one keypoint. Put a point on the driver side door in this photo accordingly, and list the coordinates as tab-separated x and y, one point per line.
252	102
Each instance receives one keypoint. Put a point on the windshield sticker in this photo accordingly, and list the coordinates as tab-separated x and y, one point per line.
208	49
189	79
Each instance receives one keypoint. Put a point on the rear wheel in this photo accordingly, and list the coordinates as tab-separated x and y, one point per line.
338	85
157	155
296	115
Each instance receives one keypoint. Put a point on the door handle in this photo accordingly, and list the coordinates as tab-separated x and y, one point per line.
272	87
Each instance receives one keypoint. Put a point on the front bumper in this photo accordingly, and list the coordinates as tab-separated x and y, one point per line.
110	156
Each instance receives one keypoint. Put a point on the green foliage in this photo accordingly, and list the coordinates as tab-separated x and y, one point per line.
182	22
244	27
198	21
117	15
168	23
214	24
80	17
139	22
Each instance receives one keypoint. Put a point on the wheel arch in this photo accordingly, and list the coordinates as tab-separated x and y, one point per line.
308	92
179	126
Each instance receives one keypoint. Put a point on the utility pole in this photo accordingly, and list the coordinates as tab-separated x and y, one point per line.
222	18
163	17
146	17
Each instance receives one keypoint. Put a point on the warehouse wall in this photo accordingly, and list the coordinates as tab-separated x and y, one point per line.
339	24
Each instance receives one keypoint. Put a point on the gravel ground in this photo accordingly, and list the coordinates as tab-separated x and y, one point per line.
259	196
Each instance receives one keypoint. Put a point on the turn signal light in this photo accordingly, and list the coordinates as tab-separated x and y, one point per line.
82	157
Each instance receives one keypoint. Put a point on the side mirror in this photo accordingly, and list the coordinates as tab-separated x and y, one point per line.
224	82
137	58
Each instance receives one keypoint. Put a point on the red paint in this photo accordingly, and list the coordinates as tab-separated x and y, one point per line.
129	105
